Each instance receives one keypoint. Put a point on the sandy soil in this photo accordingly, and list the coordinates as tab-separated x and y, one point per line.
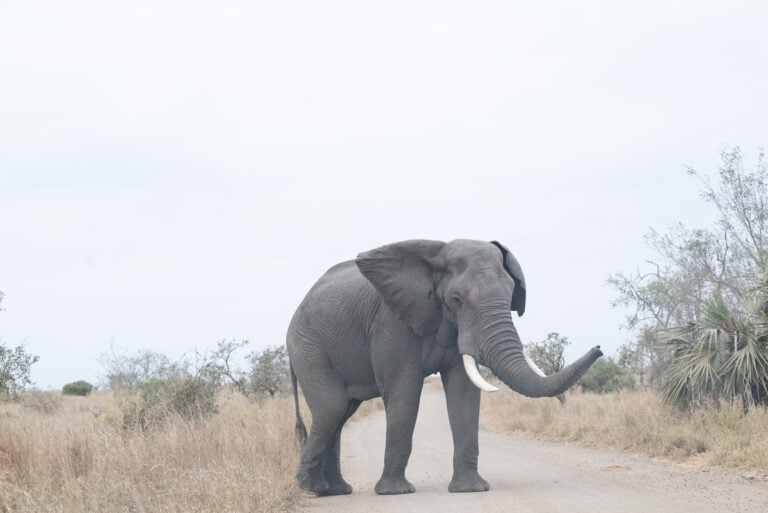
529	476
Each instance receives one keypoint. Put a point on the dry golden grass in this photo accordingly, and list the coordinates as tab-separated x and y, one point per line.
638	422
77	458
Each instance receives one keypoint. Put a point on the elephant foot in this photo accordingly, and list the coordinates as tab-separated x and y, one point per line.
388	485
338	487
468	481
318	485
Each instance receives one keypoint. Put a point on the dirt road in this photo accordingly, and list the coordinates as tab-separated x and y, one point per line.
528	476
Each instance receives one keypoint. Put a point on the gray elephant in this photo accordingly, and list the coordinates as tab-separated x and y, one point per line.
379	324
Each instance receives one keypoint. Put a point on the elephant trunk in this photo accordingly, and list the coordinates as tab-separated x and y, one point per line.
502	351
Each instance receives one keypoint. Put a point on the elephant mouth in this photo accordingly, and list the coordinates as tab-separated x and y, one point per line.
470	367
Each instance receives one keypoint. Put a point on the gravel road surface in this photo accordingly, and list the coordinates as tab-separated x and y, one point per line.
529	476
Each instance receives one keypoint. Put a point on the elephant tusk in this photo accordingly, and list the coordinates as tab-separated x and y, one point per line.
534	367
474	375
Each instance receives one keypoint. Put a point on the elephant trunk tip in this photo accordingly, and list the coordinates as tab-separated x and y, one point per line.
523	377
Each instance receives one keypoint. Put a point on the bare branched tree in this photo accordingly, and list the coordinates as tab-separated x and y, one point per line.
125	369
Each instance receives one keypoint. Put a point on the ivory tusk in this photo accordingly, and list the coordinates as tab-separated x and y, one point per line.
474	375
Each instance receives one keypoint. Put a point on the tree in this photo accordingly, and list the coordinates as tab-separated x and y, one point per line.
694	265
606	376
548	353
629	357
15	367
125	369
269	371
222	357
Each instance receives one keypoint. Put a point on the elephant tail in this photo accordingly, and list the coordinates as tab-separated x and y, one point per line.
301	430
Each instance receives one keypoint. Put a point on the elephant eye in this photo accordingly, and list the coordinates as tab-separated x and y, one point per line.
456	300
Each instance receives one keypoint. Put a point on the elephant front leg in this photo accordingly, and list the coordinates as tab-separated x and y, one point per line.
463	400
402	404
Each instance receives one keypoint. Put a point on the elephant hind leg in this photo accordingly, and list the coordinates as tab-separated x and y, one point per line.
332	456
329	406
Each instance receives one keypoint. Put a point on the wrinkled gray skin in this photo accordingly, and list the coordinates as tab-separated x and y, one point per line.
377	325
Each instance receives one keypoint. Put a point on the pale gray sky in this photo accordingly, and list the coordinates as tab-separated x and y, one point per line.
174	172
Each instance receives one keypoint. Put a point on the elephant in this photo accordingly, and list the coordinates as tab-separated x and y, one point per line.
379	324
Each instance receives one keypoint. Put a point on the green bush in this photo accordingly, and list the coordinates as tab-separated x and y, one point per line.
151	403
77	388
607	376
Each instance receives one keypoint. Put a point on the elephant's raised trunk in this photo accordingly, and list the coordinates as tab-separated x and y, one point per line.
502	351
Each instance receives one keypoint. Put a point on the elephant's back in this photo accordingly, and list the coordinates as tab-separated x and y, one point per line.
339	288
342	301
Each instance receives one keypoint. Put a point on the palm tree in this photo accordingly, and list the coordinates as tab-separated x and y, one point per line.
723	355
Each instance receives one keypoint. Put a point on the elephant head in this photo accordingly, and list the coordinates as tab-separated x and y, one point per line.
462	293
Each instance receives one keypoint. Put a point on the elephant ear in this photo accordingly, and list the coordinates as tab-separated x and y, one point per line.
403	273
512	266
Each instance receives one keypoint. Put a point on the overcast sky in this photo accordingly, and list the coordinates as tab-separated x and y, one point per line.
173	173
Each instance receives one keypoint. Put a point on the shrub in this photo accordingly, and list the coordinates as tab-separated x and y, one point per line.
607	376
150	403
723	355
77	388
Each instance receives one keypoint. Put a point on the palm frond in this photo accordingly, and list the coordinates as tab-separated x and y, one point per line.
745	369
722	356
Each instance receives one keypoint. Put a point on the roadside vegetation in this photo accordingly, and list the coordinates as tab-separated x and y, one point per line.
162	436
638	421
697	311
76	454
692	383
